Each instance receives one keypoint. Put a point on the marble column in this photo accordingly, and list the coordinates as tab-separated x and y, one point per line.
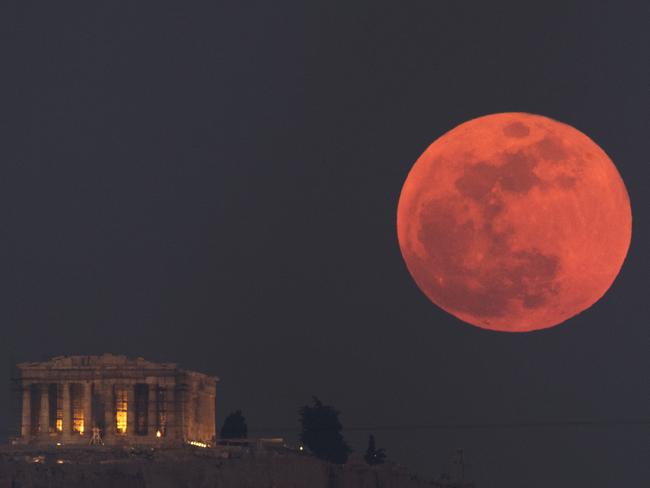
172	431
26	422
203	422
212	413
108	398
130	408
152	411
44	414
180	402
88	410
67	412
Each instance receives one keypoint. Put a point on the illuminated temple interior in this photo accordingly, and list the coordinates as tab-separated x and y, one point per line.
114	400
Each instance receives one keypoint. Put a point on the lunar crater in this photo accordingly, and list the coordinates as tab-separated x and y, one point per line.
492	271
515	174
516	129
552	148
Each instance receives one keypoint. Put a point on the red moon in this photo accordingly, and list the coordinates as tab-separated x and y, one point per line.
514	222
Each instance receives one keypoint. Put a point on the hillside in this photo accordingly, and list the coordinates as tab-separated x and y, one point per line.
191	468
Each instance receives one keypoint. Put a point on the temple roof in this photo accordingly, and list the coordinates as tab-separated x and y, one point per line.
105	361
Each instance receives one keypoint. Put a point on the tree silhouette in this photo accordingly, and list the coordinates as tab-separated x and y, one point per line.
234	427
373	455
321	432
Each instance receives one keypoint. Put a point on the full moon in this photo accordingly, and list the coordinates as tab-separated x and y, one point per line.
514	222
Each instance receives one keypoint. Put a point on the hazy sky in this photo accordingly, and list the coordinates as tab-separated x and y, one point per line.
215	183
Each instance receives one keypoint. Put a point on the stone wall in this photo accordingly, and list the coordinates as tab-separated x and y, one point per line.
193	468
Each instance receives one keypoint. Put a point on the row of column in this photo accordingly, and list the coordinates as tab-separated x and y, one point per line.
41	422
43	418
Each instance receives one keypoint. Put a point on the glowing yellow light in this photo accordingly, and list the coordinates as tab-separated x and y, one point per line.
59	425
121	422
158	434
121	408
78	425
77	407
60	461
301	448
197	444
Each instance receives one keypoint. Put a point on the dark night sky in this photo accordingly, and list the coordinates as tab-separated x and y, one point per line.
217	184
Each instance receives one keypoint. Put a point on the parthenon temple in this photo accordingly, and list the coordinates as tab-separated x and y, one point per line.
114	400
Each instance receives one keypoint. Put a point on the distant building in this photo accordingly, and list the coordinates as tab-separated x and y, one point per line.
115	401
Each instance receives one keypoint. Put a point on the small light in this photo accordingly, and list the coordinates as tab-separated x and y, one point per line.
58	443
301	448
60	461
197	444
158	434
